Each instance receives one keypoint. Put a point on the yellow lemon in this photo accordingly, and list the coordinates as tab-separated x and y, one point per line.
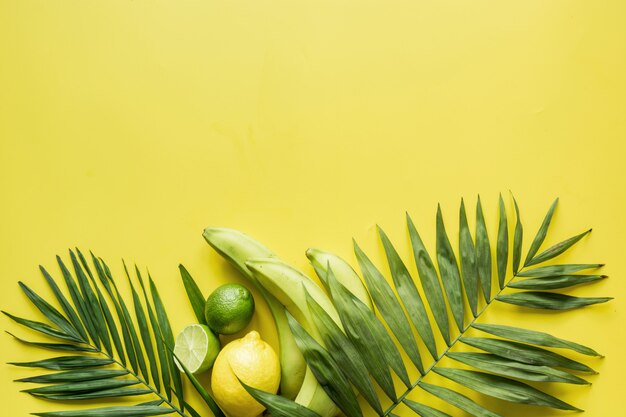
255	363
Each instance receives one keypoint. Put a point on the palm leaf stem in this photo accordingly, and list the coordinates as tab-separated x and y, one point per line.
446	350
140	379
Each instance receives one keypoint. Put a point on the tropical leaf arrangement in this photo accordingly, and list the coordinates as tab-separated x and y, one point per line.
347	346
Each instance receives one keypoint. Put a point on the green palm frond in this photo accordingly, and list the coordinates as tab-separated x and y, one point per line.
110	348
368	345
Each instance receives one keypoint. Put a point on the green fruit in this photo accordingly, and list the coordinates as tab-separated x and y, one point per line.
229	308
238	248
196	347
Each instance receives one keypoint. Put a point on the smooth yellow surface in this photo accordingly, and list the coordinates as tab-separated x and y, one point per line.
126	127
252	361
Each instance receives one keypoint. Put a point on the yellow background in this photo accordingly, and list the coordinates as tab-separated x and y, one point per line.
126	127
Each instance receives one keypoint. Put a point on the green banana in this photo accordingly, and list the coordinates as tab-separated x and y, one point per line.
238	248
288	285
313	396
342	270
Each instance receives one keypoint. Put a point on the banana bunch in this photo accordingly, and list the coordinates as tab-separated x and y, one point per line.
285	288
288	285
238	248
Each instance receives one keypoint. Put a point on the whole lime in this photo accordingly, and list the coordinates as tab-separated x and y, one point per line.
229	308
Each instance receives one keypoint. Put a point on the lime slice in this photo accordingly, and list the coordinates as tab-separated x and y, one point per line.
196	347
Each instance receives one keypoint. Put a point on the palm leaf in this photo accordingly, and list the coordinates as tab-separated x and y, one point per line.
557	249
449	270
66	347
515	355
65	305
518	236
66	362
533	337
483	252
458	400
82	386
50	312
369	336
75	376
92	309
167	339
126	319
79	303
210	402
42	328
128	411
502	247
357	352
541	235
407	291
469	269
194	294
502	388
279	406
525	353
158	342
144	332
108	316
556	282
326	370
424	410
389	307
514	369
104	276
429	280
106	359
549	300
344	352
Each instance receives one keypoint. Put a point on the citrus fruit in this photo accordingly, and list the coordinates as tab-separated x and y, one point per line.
196	347
255	363
229	308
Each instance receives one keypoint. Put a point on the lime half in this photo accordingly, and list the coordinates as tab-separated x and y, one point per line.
196	347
